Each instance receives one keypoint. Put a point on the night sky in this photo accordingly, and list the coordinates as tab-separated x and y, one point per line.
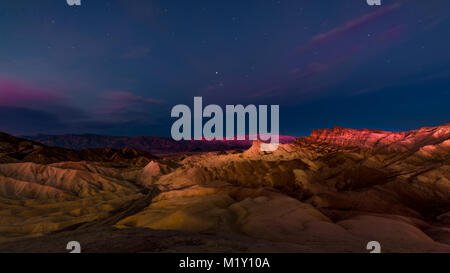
118	67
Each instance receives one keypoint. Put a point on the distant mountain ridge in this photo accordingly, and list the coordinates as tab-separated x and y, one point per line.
363	138
14	149
151	144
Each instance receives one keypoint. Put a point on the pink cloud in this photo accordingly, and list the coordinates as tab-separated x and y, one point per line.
16	93
346	28
392	33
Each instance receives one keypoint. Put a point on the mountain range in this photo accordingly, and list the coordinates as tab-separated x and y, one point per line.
152	144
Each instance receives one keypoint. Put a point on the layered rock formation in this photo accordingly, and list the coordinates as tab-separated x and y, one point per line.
408	141
333	191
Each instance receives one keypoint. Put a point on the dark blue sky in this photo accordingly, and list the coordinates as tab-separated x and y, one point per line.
118	67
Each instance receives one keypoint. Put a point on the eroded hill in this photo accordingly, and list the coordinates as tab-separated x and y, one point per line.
333	191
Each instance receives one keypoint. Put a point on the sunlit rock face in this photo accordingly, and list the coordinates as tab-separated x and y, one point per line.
378	139
332	191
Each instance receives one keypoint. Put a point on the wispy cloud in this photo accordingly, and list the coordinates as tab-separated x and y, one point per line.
124	106
32	109
16	93
310	70
392	33
348	27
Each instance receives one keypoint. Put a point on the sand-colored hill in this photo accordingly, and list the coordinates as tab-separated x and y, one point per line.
333	191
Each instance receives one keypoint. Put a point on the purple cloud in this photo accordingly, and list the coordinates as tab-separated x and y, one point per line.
392	33
348	27
16	93
32	109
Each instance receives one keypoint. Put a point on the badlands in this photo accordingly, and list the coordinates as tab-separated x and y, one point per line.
332	191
